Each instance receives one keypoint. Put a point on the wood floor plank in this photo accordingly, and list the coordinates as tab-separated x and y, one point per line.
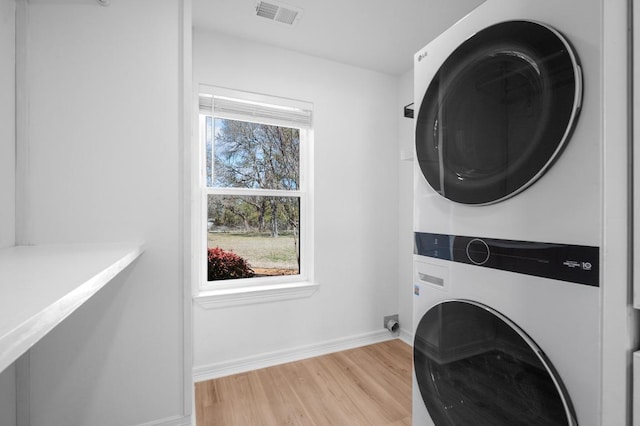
286	408
394	372
361	381
369	386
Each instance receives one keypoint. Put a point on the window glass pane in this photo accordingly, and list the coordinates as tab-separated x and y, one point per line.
208	132
254	155
252	236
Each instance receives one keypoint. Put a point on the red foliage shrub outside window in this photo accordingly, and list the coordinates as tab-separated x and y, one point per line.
223	265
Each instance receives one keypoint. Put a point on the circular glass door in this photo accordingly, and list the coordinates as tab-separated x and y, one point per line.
475	367
498	112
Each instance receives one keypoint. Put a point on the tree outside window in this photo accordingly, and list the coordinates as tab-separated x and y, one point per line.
254	199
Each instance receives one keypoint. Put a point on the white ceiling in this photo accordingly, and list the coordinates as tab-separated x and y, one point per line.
380	35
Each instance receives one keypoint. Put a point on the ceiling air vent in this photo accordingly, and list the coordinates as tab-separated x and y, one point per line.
278	12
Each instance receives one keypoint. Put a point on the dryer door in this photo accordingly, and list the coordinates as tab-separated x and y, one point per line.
498	112
475	367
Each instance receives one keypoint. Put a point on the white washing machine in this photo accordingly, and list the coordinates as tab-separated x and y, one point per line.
507	218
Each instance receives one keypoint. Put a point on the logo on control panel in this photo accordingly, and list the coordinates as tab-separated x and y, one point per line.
585	266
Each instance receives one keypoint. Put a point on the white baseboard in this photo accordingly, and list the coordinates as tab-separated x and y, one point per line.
406	337
170	421
269	359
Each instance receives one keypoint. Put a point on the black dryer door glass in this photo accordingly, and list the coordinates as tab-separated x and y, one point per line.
475	367
498	112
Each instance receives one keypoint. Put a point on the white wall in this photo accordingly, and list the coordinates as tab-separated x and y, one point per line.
8	397
7	177
356	189
103	163
7	123
405	206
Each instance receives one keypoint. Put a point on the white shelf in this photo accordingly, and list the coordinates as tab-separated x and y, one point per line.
635	408
41	285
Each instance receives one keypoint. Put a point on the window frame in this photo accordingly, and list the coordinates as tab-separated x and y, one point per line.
256	289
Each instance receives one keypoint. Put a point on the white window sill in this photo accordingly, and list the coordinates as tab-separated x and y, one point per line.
247	295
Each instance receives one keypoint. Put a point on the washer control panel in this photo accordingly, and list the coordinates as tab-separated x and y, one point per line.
564	262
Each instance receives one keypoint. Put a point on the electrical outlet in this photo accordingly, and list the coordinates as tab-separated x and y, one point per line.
390	318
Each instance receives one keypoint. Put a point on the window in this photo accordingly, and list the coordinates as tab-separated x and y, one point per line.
256	216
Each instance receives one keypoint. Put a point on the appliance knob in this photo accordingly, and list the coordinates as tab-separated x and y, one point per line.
478	251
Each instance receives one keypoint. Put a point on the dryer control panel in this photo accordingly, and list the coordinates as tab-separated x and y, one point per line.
564	262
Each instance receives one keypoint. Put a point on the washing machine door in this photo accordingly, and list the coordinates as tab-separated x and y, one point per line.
475	367
498	112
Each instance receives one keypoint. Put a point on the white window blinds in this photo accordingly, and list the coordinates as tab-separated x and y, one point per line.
288	113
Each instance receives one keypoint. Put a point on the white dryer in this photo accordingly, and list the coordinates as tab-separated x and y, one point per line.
507	218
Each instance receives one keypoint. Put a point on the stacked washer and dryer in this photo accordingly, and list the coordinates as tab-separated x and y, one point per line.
507	218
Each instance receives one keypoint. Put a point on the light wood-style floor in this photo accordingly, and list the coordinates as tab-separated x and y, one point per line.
368	386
